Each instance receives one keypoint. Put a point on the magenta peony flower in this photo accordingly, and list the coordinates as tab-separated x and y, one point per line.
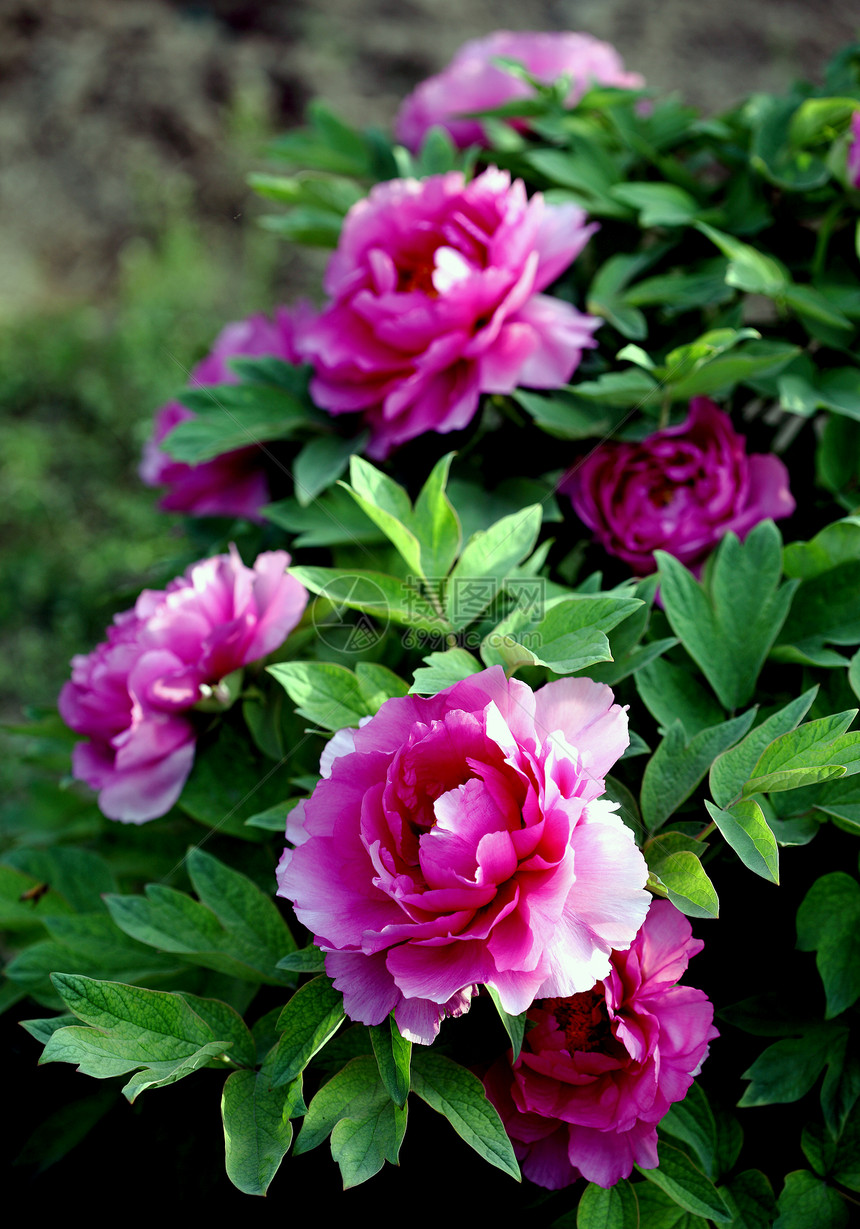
234	484
472	82
462	840
132	694
599	1069
434	289
680	490
853	163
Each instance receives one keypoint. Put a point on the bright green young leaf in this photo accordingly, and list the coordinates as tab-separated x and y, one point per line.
745	828
749	269
729	633
443	670
310	1018
487	560
731	770
378	684
323	692
436	524
828	923
393	1058
817	745
453	1091
257	1130
381	596
687	885
388	506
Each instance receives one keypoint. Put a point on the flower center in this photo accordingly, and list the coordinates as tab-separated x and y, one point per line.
583	1019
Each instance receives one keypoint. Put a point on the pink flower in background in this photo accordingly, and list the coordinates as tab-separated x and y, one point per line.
234	484
463	840
472	82
600	1069
853	165
435	300
680	490
131	695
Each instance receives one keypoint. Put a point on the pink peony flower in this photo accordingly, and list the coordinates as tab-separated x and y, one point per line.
462	840
680	490
853	163
472	82
599	1069
234	484
435	300
132	694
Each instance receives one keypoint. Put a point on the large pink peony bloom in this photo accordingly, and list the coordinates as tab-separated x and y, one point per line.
599	1069
235	483
435	300
472	82
462	840
680	490
131	695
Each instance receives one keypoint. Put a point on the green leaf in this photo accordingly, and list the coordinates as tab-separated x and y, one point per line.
76	879
659	204
232	416
687	885
365	1125
388	506
321	462
748	269
816	751
568	417
332	519
257	1130
751	1198
805	1201
323	692
310	1018
393	1057
443	670
131	1028
436	524
571	636
487	559
453	1091
731	770
672	693
688	1186
692	1121
657	1210
677	766
824	611
240	906
729	633
384	597
615	1208
745	828
308	960
515	1026
788	1069
828	923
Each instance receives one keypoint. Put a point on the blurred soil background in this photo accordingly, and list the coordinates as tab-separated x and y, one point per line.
129	237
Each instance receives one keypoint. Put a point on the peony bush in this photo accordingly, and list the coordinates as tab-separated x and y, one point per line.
518	664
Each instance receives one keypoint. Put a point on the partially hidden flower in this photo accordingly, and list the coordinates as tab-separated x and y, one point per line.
132	694
599	1069
473	82
853	163
435	299
235	483
463	840
680	490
